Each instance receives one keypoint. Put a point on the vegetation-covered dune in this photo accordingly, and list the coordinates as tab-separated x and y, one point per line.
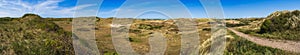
32	35
281	21
277	31
282	25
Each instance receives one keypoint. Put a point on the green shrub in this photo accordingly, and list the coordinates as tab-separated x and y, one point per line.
286	21
206	29
134	39
6	19
135	31
110	53
149	27
235	25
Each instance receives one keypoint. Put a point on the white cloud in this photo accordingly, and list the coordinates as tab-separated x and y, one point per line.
47	8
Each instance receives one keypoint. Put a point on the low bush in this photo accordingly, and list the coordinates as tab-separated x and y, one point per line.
133	39
206	29
235	25
35	37
283	21
149	27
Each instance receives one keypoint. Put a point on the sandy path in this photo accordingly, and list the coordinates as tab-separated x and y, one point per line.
279	44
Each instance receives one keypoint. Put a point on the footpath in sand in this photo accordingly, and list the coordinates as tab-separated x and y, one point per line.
292	46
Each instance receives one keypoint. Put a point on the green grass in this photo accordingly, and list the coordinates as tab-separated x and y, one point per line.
284	35
241	46
149	27
235	25
36	37
6	19
110	53
134	39
286	21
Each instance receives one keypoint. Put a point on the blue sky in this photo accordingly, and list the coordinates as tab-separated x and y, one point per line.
108	8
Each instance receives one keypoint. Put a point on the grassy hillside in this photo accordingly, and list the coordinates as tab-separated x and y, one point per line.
282	25
279	25
26	36
282	21
241	46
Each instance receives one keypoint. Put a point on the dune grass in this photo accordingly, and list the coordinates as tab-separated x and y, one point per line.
241	46
34	38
